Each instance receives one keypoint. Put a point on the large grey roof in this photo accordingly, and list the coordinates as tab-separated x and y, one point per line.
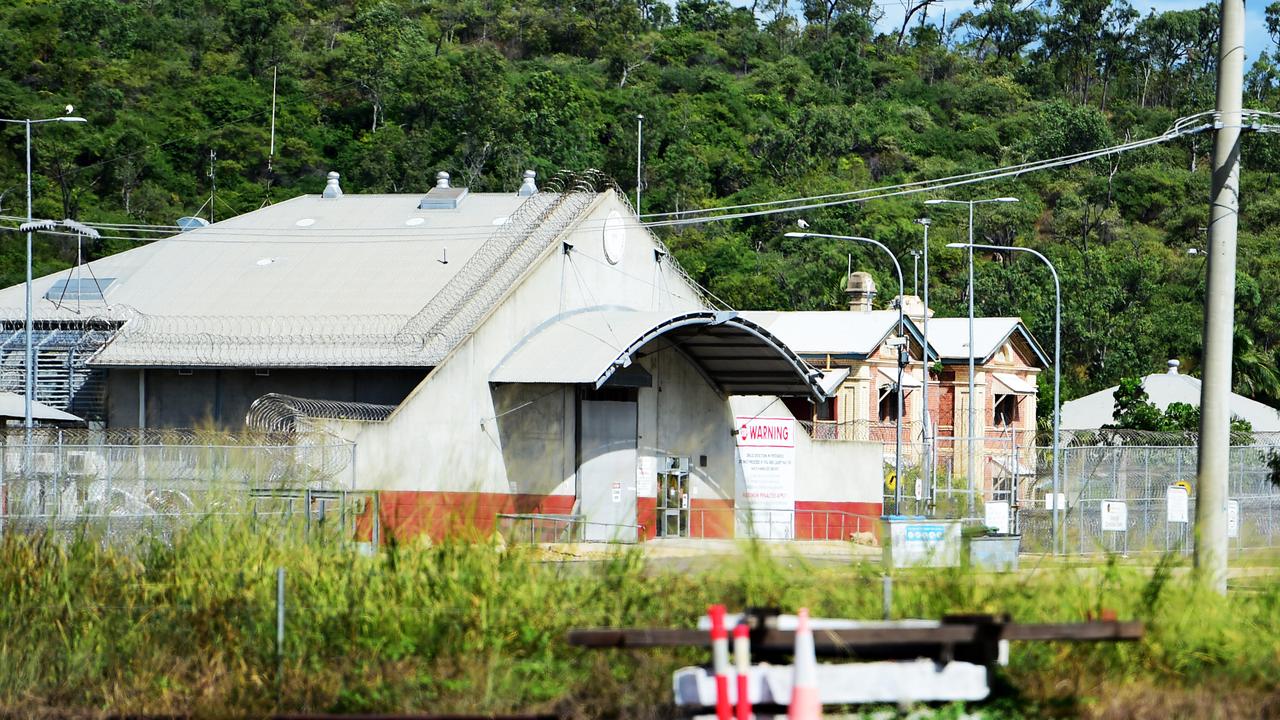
355	280
356	257
1093	411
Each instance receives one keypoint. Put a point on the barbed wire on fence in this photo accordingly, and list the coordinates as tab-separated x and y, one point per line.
285	414
1153	438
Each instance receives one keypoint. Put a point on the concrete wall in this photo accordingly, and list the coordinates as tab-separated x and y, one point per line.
222	397
460	445
444	435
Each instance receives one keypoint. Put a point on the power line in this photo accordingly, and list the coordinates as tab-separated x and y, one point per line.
1180	128
1184	126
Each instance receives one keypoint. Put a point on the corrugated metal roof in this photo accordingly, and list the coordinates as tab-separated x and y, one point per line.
310	281
834	332
354	255
13	405
1093	411
950	337
733	352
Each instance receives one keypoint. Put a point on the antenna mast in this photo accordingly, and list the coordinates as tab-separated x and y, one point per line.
213	182
272	152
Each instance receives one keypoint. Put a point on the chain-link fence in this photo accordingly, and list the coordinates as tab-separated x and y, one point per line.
135	483
1119	498
1131	471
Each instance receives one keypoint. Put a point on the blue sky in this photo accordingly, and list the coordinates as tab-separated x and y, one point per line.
1256	40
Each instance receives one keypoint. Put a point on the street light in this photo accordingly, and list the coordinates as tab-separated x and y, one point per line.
924	388
972	410
902	354
1057	370
30	354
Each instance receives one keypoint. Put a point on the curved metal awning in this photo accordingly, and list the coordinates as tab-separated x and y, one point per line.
735	355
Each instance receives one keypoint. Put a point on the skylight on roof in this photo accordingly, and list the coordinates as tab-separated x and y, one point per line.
78	289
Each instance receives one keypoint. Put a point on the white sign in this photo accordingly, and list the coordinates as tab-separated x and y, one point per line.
766	473
646	475
1049	504
1176	501
1115	516
1233	518
997	516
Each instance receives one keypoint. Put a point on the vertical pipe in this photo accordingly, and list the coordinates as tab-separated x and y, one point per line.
31	366
927	464
903	355
279	624
972	504
1215	417
1057	408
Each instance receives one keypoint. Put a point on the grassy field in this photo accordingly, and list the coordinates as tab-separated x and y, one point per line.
471	626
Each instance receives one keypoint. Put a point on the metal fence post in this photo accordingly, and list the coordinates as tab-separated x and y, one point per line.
887	595
279	627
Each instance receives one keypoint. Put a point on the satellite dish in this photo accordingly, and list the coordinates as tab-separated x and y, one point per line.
192	223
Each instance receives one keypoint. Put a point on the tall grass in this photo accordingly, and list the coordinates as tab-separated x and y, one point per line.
189	626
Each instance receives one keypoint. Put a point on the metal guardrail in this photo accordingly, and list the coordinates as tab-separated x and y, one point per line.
536	528
783	524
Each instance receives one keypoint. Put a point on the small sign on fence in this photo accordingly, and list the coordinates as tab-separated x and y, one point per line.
1176	502
1233	518
1050	503
1115	516
997	516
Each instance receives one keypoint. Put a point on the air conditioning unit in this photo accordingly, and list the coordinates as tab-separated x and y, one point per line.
44	462
85	463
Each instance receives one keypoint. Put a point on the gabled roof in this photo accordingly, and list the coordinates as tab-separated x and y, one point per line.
1093	411
950	338
839	333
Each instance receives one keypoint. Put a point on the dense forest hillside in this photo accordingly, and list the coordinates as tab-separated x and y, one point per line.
780	99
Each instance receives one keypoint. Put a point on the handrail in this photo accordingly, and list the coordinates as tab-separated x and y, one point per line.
799	524
566	527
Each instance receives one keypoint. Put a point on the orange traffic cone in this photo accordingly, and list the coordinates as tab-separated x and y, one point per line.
742	666
720	661
805	704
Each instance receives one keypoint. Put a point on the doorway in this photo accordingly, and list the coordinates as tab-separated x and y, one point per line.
607	421
673	498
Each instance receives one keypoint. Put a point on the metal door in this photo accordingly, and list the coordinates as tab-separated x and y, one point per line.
607	469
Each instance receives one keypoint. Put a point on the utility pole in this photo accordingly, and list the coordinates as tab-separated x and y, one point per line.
1219	307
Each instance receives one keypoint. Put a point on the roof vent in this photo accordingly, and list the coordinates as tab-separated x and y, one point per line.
442	196
528	187
1173	367
331	188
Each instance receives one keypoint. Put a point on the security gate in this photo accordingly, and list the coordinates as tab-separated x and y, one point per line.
607	464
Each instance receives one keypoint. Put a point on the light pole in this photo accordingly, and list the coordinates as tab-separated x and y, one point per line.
639	145
973	422
1057	372
927	464
902	354
30	354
